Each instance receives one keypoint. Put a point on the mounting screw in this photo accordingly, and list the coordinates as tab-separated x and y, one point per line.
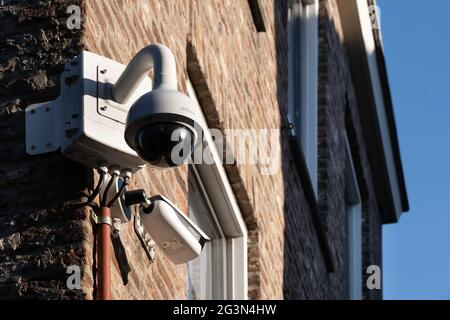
104	108
33	147
47	109
33	111
48	144
103	71
152	250
116	225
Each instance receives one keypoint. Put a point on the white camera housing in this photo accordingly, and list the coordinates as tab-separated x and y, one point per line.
177	236
104	106
162	120
84	122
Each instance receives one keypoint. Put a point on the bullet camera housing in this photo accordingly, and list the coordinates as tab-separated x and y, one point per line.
177	236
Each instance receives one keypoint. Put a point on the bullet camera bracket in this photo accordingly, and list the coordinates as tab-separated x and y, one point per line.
147	242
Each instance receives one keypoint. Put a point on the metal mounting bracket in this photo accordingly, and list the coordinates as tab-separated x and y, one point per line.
41	133
147	242
84	122
101	219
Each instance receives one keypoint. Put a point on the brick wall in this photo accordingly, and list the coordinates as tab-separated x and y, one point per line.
209	36
240	78
338	112
41	229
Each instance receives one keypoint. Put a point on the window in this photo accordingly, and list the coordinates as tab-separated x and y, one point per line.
212	261
303	79
220	272
353	217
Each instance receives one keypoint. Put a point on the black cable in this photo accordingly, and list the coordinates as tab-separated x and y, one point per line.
108	186
97	188
119	193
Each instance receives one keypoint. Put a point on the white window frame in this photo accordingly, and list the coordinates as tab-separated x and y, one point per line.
303	44
353	227
228	214
213	259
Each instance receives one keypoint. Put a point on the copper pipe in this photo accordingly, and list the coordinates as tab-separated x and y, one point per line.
104	255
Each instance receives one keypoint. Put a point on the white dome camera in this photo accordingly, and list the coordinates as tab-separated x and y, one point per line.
161	119
176	235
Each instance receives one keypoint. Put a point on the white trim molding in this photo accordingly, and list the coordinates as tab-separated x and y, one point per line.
367	31
369	75
303	45
354	227
223	201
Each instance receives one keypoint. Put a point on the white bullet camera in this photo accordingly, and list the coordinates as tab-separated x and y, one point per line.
179	238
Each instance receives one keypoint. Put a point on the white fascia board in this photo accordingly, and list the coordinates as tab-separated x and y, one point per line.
369	43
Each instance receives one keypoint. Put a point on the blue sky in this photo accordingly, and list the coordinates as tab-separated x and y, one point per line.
416	251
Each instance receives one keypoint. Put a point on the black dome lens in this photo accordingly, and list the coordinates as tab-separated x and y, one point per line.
164	144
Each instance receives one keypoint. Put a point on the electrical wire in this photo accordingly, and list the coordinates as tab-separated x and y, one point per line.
108	186
97	188
119	193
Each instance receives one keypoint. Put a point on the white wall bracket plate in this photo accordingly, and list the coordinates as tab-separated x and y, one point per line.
41	133
84	122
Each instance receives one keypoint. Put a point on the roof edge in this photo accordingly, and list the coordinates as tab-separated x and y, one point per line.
388	102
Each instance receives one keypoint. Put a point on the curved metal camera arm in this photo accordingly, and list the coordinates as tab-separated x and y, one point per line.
155	56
